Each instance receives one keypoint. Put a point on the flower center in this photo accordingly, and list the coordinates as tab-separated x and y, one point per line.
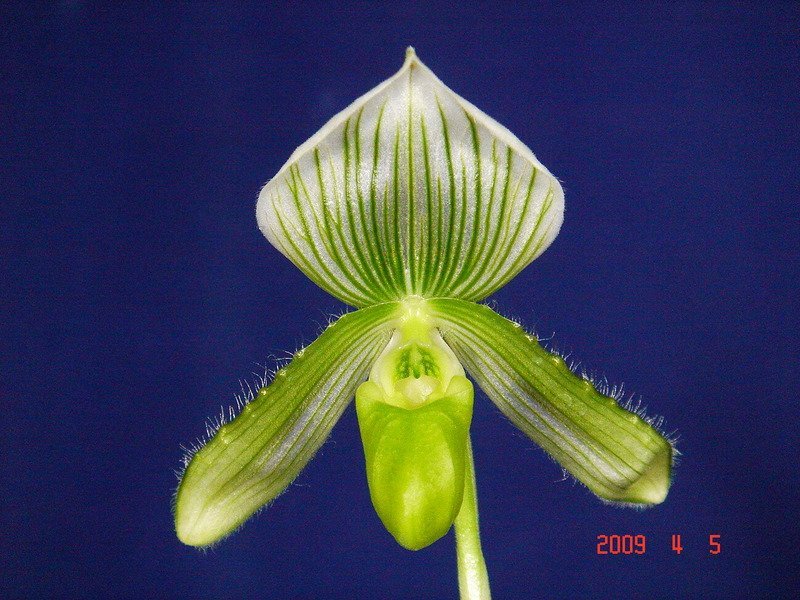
417	366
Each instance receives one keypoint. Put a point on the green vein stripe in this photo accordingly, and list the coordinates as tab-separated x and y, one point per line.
373	256
479	265
468	265
509	245
394	222
337	232
381	243
428	262
361	264
492	248
526	255
327	230
411	221
450	245
299	258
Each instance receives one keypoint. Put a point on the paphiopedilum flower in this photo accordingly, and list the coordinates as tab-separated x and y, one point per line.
412	205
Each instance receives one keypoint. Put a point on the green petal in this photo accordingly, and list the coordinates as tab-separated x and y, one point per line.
252	459
616	454
411	190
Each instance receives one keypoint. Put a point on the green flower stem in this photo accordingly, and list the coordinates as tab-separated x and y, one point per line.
473	579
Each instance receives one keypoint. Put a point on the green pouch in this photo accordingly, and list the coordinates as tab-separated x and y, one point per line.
415	459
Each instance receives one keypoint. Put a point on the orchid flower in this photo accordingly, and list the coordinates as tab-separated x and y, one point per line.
412	205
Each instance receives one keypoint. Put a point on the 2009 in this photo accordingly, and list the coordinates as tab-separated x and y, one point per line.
621	544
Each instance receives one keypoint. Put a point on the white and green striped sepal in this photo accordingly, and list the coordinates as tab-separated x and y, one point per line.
411	190
618	455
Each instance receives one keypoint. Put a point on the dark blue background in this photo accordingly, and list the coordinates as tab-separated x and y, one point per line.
136	289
